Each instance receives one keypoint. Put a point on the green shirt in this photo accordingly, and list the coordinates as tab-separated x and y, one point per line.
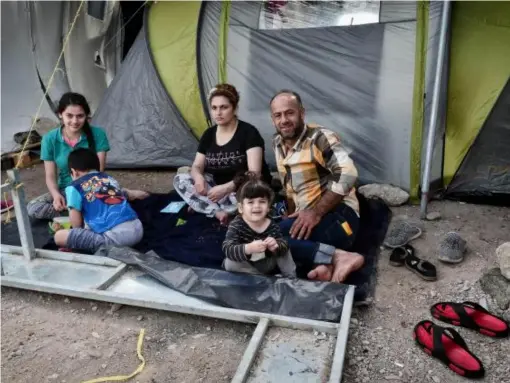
54	148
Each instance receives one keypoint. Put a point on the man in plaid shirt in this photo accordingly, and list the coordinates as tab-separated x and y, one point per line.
318	177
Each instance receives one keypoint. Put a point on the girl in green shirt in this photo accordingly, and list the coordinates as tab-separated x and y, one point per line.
75	132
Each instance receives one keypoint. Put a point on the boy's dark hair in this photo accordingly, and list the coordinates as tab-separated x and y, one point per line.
83	159
253	187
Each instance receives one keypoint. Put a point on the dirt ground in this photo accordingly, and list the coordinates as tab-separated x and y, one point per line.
50	338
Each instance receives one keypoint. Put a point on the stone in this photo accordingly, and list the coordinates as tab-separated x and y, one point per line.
503	257
67	300
53	377
433	216
140	317
115	307
392	195
436	379
95	335
392	377
94	308
95	354
497	286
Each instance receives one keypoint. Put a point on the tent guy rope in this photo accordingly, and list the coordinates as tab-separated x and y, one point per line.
50	82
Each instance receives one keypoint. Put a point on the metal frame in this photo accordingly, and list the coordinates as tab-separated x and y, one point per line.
441	58
100	292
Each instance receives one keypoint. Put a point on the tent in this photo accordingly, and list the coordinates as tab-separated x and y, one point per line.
364	69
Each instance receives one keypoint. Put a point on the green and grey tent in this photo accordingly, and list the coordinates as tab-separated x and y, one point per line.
364	69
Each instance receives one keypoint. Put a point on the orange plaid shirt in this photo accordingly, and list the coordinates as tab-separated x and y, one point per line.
318	162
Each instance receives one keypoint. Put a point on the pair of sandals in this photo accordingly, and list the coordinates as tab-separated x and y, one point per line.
446	344
405	256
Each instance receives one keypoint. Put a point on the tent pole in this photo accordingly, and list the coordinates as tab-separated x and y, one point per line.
425	185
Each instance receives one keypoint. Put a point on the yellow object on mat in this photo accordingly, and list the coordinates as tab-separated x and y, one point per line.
121	378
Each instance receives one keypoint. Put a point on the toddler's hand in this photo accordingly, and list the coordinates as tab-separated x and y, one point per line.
257	246
271	244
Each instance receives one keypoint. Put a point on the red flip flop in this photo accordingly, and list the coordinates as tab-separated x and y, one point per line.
471	315
446	345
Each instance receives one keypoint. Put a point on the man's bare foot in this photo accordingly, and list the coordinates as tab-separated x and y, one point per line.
321	273
345	263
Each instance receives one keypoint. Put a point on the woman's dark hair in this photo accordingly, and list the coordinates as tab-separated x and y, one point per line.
225	90
83	159
253	187
71	98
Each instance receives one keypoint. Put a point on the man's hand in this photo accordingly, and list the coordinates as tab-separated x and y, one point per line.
218	192
257	246
271	244
305	222
59	202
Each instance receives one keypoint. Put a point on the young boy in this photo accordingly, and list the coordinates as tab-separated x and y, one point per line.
253	243
96	199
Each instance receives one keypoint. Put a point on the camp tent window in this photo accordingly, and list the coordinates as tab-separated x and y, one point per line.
314	14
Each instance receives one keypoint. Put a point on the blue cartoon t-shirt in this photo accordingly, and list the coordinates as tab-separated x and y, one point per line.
100	200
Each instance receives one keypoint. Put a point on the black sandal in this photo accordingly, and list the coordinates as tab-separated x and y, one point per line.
405	256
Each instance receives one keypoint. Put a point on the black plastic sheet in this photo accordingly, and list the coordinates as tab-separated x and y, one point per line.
282	296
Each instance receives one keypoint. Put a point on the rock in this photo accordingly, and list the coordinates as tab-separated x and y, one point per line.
53	377
436	379
365	342
115	307
94	354
208	328
433	216
67	300
103	366
198	336
483	302
398	364
94	308
392	377
503	257
433	294
140	317
354	322
95	335
392	195
497	287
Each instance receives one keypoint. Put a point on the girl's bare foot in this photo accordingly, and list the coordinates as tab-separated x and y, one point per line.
344	263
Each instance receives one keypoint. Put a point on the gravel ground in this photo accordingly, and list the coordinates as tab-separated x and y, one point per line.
49	338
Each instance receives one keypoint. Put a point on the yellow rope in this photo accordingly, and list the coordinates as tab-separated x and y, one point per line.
120	378
50	81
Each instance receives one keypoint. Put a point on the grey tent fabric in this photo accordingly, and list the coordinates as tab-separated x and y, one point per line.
357	81
209	37
144	127
20	90
392	11
484	175
46	31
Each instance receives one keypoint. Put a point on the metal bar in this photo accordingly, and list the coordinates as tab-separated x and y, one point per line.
425	184
212	312
6	187
251	351
20	209
341	338
116	274
61	256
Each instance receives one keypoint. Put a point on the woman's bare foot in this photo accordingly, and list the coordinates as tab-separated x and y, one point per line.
222	217
344	263
321	273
